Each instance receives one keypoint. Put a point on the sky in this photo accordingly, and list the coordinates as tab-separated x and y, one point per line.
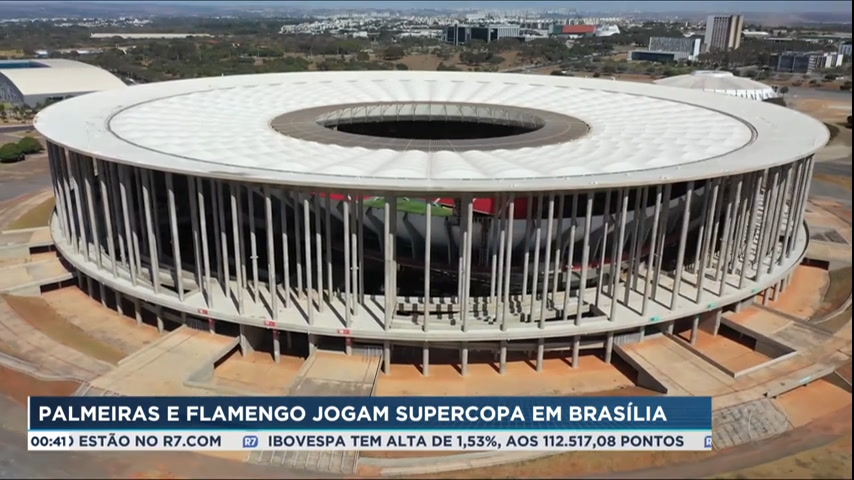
791	6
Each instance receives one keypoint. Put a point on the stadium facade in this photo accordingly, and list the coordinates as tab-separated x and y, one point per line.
428	215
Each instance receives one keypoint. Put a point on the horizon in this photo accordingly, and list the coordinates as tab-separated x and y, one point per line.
654	6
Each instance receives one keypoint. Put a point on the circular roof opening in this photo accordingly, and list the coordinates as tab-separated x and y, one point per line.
430	126
432	121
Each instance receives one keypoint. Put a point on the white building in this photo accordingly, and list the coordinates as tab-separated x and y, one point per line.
607	31
721	82
845	49
31	82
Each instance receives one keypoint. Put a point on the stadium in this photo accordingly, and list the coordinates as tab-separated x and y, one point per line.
428	216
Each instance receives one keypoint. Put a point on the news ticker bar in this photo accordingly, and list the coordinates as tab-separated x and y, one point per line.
403	440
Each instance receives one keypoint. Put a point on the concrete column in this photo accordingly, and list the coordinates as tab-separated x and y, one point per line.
285	254
683	237
508	261
464	360
348	268
307	260
464	304
502	361
706	247
137	311
119	308
211	326
526	256
271	255
695	327
245	345
541	343
277	347
425	355
90	287
388	252
387	357
102	291
125	209
585	259
662	237
312	344
428	236
609	347
576	350
289	341
670	328
538	234
198	260
573	225
721	270
616	257
176	239
718	315
548	260
606	226
159	316
642	333
751	227
318	238
154	262
105	200
203	226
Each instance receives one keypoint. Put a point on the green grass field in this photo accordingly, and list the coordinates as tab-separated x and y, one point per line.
411	205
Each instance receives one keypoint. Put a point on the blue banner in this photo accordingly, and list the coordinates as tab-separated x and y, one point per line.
370	413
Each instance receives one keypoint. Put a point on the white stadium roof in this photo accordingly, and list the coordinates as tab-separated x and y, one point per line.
720	82
58	76
638	133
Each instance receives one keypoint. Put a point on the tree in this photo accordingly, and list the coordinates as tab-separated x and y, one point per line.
10	152
784	90
394	53
29	145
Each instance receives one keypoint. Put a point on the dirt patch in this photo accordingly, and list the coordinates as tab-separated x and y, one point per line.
838	180
835	323
837	292
39	216
18	386
42	316
829	461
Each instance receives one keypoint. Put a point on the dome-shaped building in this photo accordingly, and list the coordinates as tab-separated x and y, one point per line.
721	82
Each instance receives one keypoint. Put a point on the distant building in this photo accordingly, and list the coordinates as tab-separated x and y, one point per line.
31	82
688	46
721	82
574	31
463	34
723	32
657	56
607	31
805	62
845	49
755	34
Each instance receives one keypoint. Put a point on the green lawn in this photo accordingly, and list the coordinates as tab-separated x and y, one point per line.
39	216
410	205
